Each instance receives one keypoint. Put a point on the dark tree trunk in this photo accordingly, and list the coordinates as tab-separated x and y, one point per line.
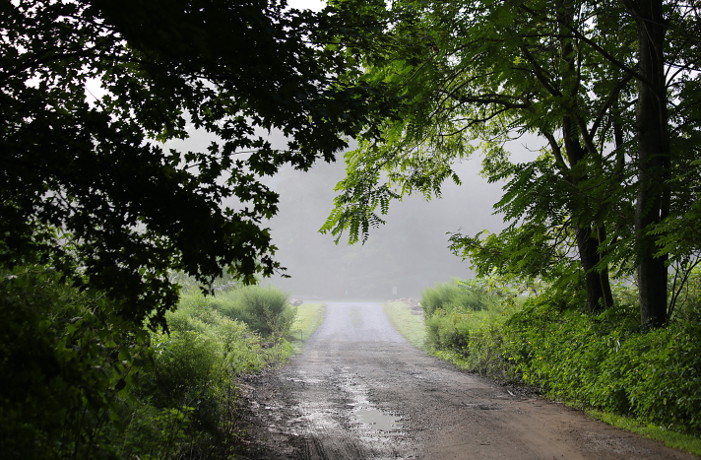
653	160
596	278
597	283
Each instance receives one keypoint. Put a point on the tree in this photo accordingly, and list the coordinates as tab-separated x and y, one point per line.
568	72
87	185
654	157
488	71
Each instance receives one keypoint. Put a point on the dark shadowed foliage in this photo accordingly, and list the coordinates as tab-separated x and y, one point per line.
90	89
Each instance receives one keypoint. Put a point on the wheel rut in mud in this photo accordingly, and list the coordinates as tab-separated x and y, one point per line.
360	391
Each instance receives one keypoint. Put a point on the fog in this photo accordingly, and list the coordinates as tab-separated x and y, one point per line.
398	260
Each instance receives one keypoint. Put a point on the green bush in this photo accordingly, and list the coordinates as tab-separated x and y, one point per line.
266	310
186	368
455	295
189	389
605	362
65	365
453	310
155	433
78	382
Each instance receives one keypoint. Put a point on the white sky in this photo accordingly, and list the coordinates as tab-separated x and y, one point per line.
315	5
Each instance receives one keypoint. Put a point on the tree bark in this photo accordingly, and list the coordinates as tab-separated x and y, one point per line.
598	288
596	278
653	160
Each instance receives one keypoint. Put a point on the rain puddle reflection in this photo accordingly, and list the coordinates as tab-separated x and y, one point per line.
378	420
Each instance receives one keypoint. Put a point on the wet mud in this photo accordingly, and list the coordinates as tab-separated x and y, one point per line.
360	391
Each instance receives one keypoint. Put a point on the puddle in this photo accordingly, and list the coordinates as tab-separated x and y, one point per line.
377	419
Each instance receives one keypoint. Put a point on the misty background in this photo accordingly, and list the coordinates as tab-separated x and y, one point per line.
399	259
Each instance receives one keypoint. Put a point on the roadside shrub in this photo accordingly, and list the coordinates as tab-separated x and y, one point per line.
78	382
266	310
195	312
448	330
453	311
154	432
186	369
665	384
187	397
66	363
605	362
454	295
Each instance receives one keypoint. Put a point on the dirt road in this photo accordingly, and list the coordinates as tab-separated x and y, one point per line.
360	391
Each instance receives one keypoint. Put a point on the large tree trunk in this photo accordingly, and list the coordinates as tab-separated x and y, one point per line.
588	238
653	160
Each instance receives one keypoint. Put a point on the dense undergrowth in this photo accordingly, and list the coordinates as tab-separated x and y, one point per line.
78	382
605	362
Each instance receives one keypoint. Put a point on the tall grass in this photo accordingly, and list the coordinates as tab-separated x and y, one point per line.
455	295
266	310
454	309
408	322
308	318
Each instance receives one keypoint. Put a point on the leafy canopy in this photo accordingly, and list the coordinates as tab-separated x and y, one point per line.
88	185
477	76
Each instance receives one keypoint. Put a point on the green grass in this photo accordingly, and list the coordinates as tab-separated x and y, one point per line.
308	318
409	323
685	442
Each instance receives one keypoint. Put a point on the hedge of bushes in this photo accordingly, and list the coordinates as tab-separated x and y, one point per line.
605	361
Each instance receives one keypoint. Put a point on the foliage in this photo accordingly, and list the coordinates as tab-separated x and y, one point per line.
190	385
566	79
78	383
66	364
455	295
242	345
266	310
607	362
454	309
90	93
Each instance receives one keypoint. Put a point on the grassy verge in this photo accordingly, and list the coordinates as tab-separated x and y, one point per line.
408	322
673	439
308	318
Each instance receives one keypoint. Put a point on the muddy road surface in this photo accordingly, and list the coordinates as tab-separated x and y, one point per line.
360	391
